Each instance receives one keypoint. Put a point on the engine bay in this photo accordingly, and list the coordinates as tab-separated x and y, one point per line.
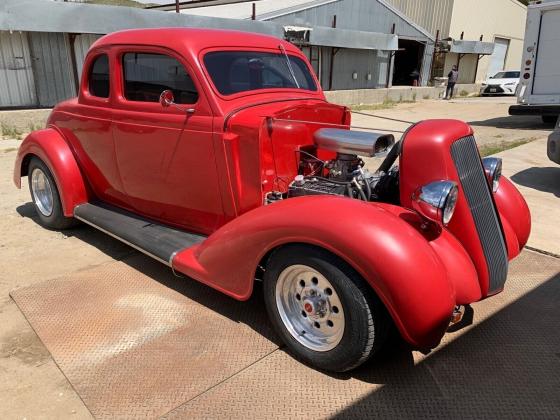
345	174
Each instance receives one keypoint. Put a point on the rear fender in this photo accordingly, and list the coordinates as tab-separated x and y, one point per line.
49	146
394	258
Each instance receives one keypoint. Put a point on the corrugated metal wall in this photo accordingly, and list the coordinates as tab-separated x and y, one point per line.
81	47
359	15
429	14
362	62
348	61
52	67
427	63
17	86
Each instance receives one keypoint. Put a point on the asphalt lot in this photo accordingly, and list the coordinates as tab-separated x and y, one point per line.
507	360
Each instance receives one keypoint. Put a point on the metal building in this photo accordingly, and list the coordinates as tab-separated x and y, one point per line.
482	37
349	65
41	58
352	44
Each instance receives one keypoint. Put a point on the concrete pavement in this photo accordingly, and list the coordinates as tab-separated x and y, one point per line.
538	179
501	362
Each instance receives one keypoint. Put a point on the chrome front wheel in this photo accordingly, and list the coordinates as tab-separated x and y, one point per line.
310	308
42	192
324	311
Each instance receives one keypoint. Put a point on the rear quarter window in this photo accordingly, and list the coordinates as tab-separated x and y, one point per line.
99	82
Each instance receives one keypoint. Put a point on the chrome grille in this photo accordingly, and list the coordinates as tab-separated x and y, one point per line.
478	194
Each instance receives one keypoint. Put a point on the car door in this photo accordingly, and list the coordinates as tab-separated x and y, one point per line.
165	155
86	124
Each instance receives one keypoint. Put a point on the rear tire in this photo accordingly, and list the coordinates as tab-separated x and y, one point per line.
549	119
45	196
327	315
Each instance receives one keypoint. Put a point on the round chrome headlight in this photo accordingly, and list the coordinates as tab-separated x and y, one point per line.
493	169
436	201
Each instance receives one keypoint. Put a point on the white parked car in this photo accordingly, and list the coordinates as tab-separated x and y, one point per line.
502	83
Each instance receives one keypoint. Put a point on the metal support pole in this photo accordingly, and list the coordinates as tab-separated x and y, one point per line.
177	8
479	56
333	52
390	69
254	12
434	55
391	63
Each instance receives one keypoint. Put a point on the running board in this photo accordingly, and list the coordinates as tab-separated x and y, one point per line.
155	240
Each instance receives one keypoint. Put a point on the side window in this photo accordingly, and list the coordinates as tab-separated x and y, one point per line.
146	75
99	77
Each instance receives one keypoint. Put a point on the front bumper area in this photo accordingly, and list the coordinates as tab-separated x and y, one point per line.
497	90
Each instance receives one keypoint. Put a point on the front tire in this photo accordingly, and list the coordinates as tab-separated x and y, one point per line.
323	310
45	196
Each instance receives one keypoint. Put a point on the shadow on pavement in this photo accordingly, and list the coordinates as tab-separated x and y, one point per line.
541	179
251	313
106	244
506	367
529	122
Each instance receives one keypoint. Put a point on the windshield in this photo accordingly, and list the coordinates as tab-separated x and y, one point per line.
241	71
506	75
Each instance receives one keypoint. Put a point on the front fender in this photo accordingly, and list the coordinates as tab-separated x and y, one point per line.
49	146
513	207
395	259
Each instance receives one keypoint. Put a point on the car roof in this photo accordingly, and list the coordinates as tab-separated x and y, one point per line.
192	39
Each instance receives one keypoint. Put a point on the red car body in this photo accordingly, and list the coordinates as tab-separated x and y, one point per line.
209	172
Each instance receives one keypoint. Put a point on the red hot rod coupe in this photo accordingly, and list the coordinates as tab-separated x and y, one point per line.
216	153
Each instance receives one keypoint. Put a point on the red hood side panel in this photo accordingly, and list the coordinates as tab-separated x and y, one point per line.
261	145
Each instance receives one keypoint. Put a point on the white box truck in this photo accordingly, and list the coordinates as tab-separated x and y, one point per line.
538	92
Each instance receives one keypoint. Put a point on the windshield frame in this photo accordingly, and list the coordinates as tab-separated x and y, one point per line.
229	97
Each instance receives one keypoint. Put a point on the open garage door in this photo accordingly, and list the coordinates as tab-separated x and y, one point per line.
408	62
498	57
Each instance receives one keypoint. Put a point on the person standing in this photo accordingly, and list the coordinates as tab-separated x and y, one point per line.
415	76
452	78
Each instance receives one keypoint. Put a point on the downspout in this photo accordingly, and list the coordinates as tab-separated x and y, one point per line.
333	53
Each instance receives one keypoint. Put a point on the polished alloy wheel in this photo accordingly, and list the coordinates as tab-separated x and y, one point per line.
42	192
310	307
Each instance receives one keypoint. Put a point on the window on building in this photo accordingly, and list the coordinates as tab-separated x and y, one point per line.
146	75
99	77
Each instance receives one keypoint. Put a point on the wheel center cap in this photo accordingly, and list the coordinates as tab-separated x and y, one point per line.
315	308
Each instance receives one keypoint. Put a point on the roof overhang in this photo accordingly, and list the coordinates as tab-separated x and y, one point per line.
49	16
344	38
471	47
69	17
